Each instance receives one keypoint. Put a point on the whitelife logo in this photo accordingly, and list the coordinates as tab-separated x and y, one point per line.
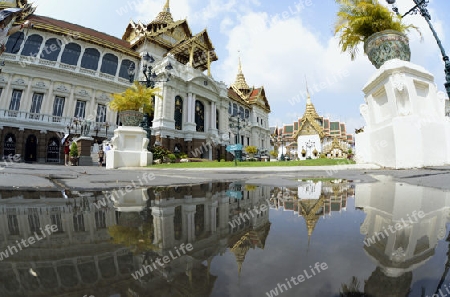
394	228
166	259
318	268
11	250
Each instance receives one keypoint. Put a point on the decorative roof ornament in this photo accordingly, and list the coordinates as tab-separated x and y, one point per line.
310	109
164	17
27	8
240	82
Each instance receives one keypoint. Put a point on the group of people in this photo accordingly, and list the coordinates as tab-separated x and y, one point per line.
101	153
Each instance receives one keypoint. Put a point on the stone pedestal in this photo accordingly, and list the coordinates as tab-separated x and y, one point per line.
406	126
84	150
129	148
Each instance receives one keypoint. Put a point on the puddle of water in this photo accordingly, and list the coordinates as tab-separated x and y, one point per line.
320	238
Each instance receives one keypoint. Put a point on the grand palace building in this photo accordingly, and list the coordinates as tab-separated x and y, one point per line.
58	74
313	135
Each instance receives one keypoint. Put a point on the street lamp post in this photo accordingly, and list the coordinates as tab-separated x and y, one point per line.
421	7
106	128
149	82
96	129
237	154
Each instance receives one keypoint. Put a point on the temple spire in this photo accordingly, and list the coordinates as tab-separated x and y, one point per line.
167	6
164	17
310	109
240	82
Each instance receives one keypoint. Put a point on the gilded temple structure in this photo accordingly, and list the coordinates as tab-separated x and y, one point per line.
313	135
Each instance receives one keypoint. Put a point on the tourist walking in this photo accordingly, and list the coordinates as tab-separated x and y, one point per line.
66	152
101	154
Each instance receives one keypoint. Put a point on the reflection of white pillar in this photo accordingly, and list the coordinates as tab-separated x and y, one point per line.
213	220
164	234
189	222
224	210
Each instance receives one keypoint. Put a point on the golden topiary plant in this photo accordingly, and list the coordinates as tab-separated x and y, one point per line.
136	97
359	19
137	239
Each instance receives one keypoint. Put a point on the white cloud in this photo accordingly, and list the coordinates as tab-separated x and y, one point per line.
279	53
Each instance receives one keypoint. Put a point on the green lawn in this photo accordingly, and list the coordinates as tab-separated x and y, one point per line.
215	164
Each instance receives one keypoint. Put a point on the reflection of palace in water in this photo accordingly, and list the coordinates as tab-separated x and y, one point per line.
400	252
81	258
313	199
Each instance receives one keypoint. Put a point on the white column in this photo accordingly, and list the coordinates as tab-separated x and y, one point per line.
4	104
194	97
213	115
187	111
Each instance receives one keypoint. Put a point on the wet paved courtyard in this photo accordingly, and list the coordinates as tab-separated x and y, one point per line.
315	237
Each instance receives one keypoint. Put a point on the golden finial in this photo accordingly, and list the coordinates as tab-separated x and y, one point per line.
167	6
308	97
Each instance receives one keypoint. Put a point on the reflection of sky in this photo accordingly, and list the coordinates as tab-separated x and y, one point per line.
286	254
336	241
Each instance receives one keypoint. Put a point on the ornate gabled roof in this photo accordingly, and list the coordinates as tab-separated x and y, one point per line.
235	96
258	97
335	145
201	46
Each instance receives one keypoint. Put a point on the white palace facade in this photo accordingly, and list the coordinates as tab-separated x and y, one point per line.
58	74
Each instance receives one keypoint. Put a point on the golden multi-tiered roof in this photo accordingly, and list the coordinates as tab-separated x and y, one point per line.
309	122
175	37
240	83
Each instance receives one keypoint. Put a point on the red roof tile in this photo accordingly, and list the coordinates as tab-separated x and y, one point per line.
47	23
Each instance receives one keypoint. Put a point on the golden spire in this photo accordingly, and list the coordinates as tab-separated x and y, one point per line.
164	17
240	82
310	109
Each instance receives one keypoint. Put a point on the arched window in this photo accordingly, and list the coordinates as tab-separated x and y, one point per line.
51	49
247	113
241	112
235	109
199	116
178	115
123	72
217	119
109	64
71	54
14	42
32	45
230	108
90	59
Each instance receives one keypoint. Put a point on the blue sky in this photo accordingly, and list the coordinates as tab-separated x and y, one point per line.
279	42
